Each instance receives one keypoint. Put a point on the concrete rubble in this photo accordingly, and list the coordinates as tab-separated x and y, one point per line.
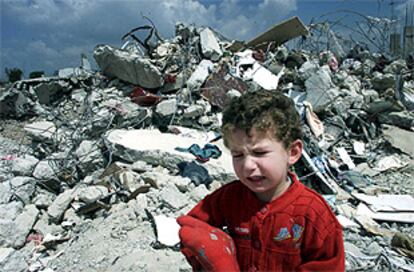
95	165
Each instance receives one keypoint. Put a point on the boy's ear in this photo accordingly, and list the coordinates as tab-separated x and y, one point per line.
295	151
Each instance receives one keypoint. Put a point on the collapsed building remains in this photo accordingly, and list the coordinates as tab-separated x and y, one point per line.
95	165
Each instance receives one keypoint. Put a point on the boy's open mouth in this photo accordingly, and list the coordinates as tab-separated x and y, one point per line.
255	179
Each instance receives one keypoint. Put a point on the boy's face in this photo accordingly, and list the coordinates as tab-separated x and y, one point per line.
261	162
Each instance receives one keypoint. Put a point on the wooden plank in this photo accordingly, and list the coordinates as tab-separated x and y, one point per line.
281	33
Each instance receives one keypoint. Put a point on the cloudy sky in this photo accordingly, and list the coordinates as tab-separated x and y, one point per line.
51	34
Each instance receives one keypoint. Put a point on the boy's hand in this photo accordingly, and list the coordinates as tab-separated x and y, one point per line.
213	248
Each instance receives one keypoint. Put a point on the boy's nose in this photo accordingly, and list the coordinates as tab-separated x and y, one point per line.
249	163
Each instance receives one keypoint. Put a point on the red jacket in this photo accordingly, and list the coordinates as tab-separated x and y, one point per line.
295	232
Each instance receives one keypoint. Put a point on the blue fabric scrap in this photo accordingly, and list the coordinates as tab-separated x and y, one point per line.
202	154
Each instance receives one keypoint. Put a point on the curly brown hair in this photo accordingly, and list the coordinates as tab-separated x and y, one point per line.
269	112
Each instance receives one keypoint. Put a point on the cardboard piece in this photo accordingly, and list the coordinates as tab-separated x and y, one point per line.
280	33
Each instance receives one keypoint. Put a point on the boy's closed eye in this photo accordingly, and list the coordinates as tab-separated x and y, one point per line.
260	153
237	155
256	153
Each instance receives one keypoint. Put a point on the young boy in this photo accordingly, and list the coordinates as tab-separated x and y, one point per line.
274	222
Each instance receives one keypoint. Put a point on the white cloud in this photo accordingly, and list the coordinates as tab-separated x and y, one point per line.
41	49
57	31
238	19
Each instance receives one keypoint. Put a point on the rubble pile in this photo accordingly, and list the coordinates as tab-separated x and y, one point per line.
95	166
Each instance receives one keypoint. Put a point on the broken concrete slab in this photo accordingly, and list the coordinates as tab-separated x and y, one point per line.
44	227
210	46
406	94
402	119
371	226
155	179
23	188
60	204
403	217
150	260
10	210
369	95
391	162
5	192
166	107
399	138
43	198
374	249
128	66
89	156
14	102
41	130
307	69
387	202
366	170
127	113
24	165
200	74
193	111
383	106
319	91
381	82
352	83
91	194
13	231
45	170
49	92
12	260
24	223
173	198
345	222
158	148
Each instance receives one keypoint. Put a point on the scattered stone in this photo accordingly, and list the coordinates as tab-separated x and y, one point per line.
319	90
128	66
171	196
12	260
89	156
23	188
166	107
374	249
199	193
209	44
24	166
59	205
200	74
5	192
42	130
91	194
381	82
44	170
15	227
